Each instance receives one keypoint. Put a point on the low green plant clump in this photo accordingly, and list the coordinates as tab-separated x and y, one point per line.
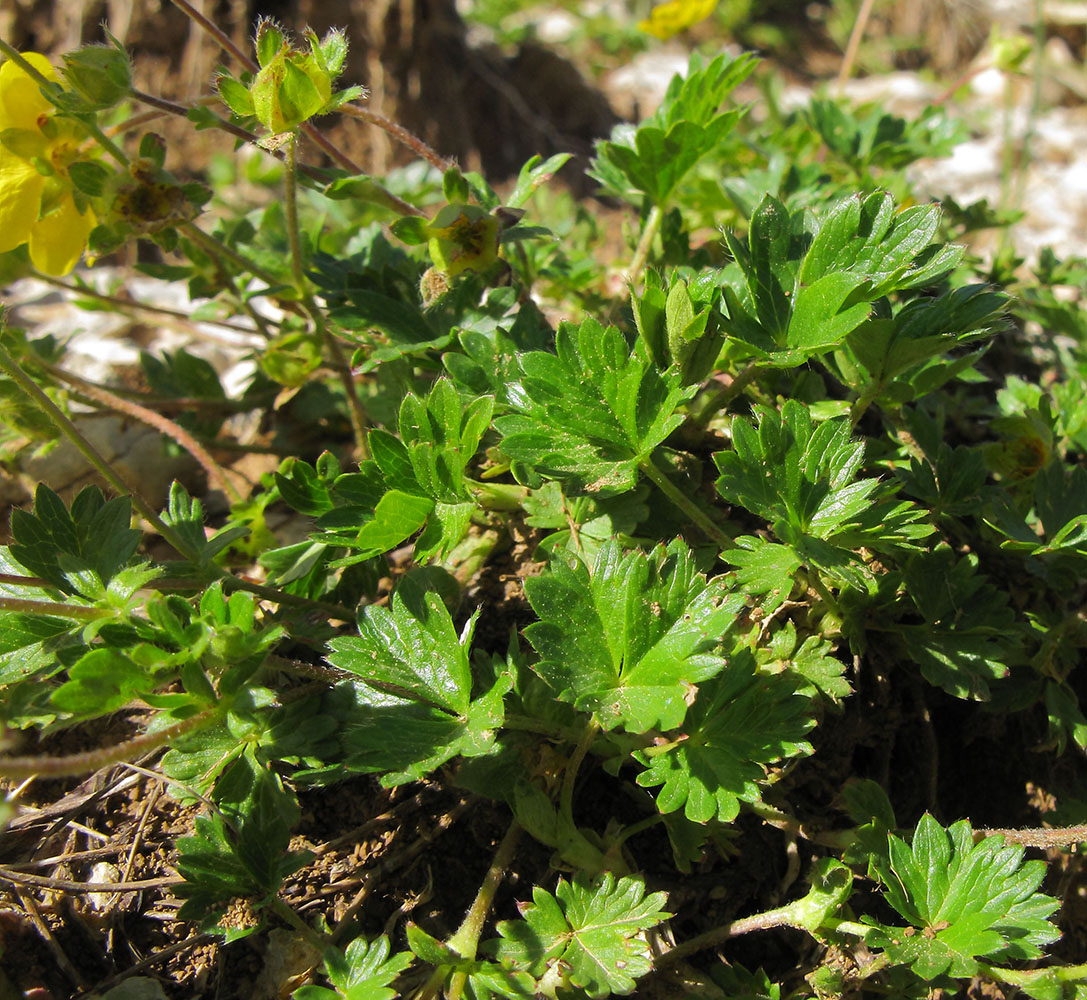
804	448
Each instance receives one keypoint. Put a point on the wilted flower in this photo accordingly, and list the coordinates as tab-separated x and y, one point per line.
37	201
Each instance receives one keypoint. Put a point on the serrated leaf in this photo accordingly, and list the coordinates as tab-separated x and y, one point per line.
363	971
95	536
764	568
629	639
795	470
410	649
592	411
653	158
419	711
593	928
969	900
740	722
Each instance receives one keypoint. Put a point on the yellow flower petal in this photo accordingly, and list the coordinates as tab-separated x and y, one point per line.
667	19
58	239
21	100
20	199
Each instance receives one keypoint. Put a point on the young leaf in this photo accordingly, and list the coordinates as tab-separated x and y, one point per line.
629	639
653	158
361	972
741	721
592	411
588	934
965	901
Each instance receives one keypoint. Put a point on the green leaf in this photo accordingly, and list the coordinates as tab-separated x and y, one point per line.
419	711
102	681
363	971
791	469
654	158
631	638
969	636
590	931
764	568
741	722
534	174
441	435
592	411
799	288
57	545
965	901
235	96
410	649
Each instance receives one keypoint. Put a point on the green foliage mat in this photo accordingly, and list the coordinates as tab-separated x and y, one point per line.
687	622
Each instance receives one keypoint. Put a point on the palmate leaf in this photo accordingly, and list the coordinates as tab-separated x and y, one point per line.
969	636
653	158
965	901
592	411
362	972
419	711
741	721
587	935
53	543
629	639
798	289
791	469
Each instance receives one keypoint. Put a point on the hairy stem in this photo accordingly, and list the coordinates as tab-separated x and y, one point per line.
715	403
30	607
573	765
212	469
641	251
339	362
92	454
780	917
685	504
92	760
466	939
132	304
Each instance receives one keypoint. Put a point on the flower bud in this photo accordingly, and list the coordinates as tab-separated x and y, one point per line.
101	75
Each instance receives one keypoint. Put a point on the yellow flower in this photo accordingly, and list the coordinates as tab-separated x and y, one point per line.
37	206
668	19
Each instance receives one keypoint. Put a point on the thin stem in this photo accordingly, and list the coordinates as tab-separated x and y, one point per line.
317	940
92	760
1064	836
53	608
219	249
92	454
646	823
573	765
16	580
212	469
50	86
90	293
466	939
641	251
723	396
291	204
104	469
339	362
685	504
221	37
399	133
781	917
854	42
